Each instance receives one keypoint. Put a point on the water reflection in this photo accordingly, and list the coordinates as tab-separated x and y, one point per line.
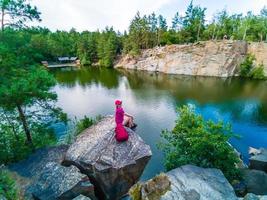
152	98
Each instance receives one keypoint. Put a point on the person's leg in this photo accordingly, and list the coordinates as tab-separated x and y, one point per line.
131	123
126	121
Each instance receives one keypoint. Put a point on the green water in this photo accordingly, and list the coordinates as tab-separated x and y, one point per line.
152	98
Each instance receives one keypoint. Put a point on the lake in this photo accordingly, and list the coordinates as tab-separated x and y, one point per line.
153	98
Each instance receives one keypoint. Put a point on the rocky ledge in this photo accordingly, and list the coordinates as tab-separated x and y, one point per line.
111	166
186	183
42	177
210	58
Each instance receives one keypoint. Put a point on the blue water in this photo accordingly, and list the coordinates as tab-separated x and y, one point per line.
153	98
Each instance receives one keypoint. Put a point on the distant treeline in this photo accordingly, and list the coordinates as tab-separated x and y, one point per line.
144	32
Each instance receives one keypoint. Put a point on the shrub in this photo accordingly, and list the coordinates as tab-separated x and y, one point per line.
258	72
203	143
247	68
7	186
247	65
76	127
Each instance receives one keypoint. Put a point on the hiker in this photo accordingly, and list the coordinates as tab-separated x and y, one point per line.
121	117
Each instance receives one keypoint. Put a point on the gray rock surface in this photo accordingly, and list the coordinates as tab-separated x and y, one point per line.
194	183
59	182
259	160
255	181
210	58
112	167
41	176
251	196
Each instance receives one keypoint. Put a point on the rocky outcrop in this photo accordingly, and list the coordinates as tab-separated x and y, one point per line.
259	50
193	183
210	58
259	160
58	182
111	166
42	177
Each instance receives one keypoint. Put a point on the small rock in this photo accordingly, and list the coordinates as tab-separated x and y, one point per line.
251	196
152	189
259	161
253	151
255	181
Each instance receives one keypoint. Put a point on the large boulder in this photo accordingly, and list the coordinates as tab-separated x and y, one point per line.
186	183
112	167
59	182
41	176
255	181
191	183
259	160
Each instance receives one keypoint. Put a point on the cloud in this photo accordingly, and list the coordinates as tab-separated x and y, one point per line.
97	14
91	15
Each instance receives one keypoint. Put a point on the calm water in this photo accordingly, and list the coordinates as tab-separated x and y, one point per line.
152	98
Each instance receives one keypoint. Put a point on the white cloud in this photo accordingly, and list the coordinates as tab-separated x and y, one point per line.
88	14
96	14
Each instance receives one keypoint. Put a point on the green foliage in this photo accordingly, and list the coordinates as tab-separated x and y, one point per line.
76	127
7	186
258	72
27	105
246	66
248	70
203	143
16	12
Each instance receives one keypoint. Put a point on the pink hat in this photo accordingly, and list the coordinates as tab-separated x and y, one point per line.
118	102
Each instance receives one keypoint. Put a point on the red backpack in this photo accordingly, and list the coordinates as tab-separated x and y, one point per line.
121	134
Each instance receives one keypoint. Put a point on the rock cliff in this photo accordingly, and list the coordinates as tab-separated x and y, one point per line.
208	58
111	166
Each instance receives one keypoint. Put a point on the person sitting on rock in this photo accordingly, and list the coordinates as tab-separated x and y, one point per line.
121	117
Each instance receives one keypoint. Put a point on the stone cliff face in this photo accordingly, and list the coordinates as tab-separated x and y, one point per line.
209	58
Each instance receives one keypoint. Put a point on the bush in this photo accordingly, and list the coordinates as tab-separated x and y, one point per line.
248	70
13	148
247	65
76	127
203	143
7	186
258	72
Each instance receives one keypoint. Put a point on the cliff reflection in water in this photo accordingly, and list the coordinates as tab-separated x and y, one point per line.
152	98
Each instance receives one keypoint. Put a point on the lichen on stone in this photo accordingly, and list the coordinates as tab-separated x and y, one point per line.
153	189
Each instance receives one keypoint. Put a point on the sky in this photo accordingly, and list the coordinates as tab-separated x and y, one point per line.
97	14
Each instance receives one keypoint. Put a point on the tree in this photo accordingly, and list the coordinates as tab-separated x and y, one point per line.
25	97
15	13
193	22
203	143
176	22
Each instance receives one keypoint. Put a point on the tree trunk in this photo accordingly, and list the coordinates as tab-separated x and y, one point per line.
25	126
2	19
213	32
245	34
12	127
198	31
